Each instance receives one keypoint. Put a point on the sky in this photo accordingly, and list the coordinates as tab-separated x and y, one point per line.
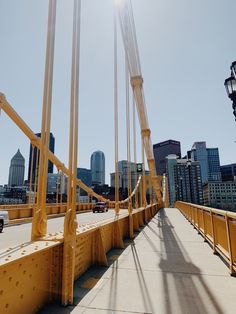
186	49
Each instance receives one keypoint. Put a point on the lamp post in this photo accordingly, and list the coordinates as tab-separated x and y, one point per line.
230	86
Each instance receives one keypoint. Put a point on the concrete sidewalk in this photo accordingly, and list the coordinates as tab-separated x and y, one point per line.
166	269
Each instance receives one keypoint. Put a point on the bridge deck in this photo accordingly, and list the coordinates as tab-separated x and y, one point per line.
167	269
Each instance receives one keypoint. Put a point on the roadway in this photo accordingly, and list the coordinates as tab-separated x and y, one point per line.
15	235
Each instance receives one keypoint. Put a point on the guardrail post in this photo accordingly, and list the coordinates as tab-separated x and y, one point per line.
140	219
99	255
213	233
198	224
194	218
136	222
191	214
204	225
229	245
131	226
117	236
70	226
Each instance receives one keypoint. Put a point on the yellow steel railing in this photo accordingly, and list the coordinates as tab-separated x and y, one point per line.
24	211
218	227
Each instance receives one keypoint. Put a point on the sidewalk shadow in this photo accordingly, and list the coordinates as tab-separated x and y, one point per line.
86	283
188	283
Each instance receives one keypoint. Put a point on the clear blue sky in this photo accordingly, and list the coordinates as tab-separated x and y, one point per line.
186	48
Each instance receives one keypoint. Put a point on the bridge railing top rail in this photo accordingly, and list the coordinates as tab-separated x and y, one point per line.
220	212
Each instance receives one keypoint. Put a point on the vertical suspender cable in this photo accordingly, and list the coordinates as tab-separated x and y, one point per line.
116	118
135	153
70	223
76	97
39	223
57	187
61	178
31	174
143	176
131	47
128	134
36	176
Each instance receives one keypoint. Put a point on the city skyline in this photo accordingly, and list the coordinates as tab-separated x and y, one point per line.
196	55
184	154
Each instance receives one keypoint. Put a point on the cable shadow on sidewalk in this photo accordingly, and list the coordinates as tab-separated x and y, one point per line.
181	277
88	281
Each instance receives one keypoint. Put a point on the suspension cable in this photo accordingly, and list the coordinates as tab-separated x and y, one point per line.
128	134
57	185
31	173
61	178
36	176
135	152
76	56
144	176
116	118
39	222
70	222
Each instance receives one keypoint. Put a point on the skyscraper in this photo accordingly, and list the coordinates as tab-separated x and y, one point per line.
85	175
162	150
228	172
123	175
97	164
208	159
35	157
17	170
184	180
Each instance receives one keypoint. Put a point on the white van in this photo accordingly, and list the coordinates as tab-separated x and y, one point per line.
4	219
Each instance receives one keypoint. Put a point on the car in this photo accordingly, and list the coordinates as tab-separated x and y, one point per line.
100	207
4	219
1	224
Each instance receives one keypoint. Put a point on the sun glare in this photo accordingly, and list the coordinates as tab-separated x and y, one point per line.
118	2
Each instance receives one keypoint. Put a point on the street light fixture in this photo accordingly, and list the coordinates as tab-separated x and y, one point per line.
233	68
230	86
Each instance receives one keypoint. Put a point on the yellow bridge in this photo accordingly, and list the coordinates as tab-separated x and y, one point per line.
152	261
